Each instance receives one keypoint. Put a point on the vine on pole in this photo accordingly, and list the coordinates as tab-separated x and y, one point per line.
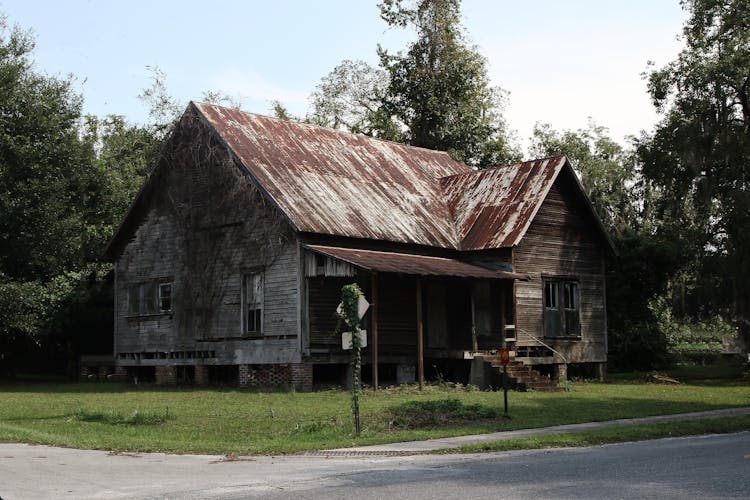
350	295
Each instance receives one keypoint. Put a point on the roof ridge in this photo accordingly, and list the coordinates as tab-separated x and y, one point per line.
507	165
331	129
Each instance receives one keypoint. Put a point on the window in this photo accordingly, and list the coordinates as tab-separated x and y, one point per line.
149	297
550	295
561	318
252	303
134	299
165	297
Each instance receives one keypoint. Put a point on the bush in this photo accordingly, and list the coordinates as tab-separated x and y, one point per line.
638	346
663	341
113	417
421	414
699	343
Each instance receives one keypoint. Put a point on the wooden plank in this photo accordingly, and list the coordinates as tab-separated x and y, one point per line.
374	306
420	335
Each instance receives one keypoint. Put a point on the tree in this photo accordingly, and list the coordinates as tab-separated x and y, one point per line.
351	97
43	169
439	89
120	156
699	155
164	109
65	183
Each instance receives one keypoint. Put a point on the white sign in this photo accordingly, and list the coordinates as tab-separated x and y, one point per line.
362	307
346	339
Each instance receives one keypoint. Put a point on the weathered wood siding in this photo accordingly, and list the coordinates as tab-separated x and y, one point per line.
324	296
397	315
203	227
563	241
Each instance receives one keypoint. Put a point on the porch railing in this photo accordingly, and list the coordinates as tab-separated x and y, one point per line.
554	351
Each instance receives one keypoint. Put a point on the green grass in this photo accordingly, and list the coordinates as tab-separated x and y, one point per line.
721	425
727	368
146	418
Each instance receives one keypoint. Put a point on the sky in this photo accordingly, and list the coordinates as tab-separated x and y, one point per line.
562	61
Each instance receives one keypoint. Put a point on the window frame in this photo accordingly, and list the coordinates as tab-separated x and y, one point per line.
258	304
567	298
160	297
145	298
135	292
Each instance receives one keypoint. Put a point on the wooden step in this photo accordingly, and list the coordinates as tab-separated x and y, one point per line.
524	378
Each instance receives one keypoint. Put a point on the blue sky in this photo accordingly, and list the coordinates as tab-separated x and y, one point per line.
562	61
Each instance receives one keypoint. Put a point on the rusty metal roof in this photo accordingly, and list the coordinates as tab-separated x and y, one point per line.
421	265
331	182
336	183
493	208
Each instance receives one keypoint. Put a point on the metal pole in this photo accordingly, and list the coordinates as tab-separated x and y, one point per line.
505	390
357	424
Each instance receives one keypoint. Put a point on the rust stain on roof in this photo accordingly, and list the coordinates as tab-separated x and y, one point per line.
332	182
421	265
493	208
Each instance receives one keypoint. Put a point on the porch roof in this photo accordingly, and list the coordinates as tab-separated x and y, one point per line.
421	265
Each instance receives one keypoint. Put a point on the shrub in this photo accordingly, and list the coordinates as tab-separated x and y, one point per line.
638	346
113	417
435	413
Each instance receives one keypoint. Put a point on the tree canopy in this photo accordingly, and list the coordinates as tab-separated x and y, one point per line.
698	159
436	94
439	88
65	182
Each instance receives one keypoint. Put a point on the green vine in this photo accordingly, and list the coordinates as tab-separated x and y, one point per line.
350	295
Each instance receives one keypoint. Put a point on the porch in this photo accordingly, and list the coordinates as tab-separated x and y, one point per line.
425	311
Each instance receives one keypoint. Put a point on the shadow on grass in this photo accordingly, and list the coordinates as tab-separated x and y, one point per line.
47	387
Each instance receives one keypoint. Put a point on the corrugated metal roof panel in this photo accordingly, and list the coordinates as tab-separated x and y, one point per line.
421	265
492	208
333	182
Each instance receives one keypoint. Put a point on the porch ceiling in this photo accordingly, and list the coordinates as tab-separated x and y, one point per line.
421	265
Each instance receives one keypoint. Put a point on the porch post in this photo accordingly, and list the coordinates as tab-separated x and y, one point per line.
503	321
420	335
474	345
375	331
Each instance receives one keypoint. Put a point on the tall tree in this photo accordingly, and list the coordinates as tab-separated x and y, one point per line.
120	157
43	171
65	182
439	89
350	97
164	109
699	155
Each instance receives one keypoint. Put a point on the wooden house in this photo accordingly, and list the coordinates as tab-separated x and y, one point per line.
229	264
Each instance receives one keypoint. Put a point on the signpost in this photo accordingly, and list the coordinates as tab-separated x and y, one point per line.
362	307
346	339
352	309
504	360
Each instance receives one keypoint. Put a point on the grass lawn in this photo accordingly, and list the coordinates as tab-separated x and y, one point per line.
146	418
639	432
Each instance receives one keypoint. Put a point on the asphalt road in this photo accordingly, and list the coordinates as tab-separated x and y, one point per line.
697	467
